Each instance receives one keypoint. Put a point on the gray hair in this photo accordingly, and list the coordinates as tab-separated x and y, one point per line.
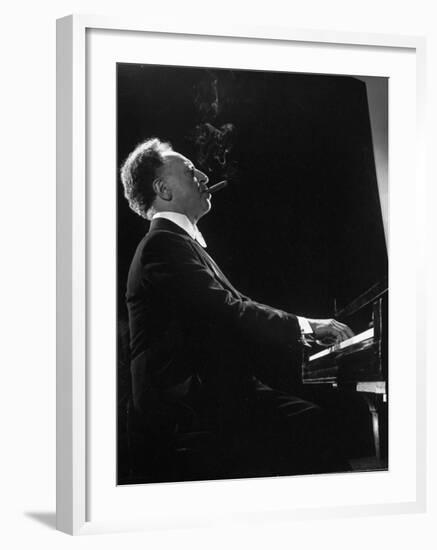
138	173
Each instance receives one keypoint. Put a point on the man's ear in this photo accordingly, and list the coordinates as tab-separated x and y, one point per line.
162	190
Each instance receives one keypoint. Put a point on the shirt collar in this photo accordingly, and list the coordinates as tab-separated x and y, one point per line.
184	223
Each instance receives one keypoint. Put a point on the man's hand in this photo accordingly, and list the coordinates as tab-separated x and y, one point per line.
328	332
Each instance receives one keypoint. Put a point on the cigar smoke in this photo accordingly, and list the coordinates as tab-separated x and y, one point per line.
213	135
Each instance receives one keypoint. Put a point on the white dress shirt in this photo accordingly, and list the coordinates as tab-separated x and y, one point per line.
182	221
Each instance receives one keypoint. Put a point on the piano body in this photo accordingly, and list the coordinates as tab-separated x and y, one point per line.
359	364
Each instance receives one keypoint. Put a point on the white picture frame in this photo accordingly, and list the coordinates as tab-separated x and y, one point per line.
74	355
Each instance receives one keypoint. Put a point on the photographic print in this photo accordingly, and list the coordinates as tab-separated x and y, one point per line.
252	273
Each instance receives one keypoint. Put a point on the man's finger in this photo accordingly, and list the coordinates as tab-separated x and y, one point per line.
344	330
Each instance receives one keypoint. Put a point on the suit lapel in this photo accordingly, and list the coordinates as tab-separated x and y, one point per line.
167	225
219	275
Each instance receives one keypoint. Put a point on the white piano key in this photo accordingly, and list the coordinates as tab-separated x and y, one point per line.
361	337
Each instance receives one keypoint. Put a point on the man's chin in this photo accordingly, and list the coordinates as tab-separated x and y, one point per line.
206	208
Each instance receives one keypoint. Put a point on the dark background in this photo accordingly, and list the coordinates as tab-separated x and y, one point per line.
300	223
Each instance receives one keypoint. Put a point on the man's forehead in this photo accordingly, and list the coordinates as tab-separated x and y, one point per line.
172	157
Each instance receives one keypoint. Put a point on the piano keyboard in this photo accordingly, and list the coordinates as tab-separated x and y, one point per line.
363	336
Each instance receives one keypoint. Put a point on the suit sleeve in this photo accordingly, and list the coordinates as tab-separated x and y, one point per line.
170	265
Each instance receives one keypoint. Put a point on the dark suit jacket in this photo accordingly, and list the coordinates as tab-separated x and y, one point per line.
192	332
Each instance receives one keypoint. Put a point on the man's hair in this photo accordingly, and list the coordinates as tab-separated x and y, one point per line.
139	172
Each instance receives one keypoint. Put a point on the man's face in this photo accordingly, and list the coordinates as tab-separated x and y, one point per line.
187	186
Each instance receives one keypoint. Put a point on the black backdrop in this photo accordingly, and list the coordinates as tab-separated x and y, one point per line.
300	223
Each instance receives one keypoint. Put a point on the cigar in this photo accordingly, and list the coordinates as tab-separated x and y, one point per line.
217	186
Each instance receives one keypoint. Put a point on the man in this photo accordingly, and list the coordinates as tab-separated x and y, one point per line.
200	349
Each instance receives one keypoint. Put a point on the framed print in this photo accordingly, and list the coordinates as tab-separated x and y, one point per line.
269	352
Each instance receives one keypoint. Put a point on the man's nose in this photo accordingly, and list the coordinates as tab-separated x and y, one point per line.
201	177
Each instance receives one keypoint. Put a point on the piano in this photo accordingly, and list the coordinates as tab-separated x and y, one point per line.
359	364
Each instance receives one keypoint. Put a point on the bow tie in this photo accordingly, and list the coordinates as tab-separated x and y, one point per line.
199	237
